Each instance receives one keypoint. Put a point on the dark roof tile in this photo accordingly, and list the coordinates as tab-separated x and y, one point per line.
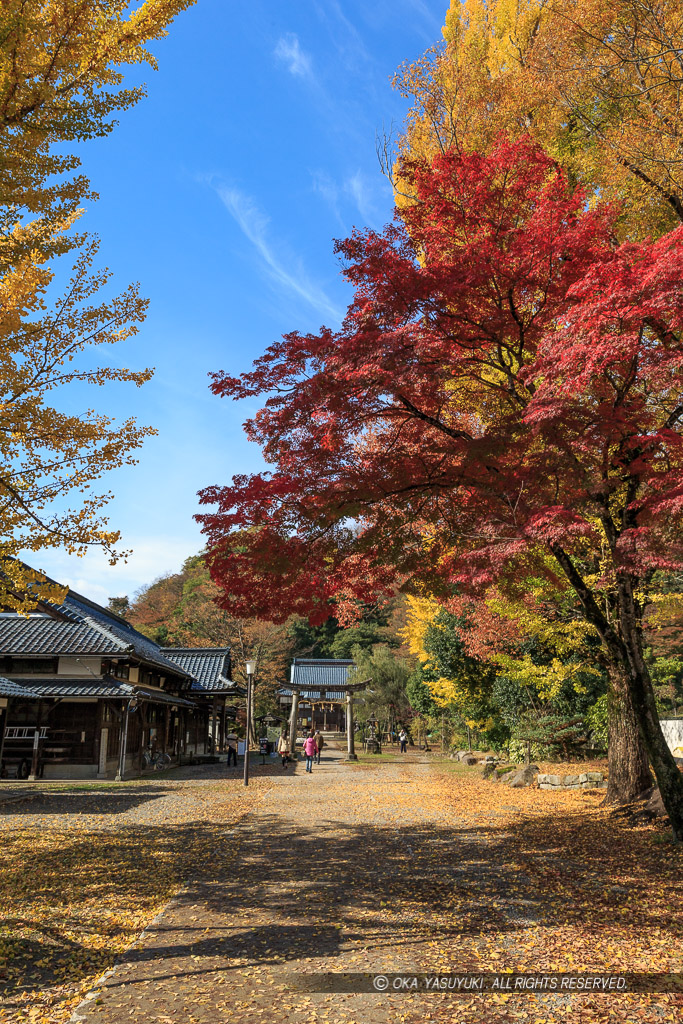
320	672
11	689
210	667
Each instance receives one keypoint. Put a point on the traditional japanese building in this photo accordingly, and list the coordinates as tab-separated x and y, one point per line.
212	684
83	694
320	684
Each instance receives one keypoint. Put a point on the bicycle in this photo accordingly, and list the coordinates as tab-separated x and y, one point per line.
156	761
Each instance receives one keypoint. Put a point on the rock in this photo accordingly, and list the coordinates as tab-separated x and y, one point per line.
468	760
490	759
549	781
487	771
462	753
523	778
570	781
591	777
655	806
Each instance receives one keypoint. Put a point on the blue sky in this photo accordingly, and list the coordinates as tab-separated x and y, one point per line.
221	193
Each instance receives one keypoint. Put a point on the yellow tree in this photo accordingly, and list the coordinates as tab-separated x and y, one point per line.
60	83
596	82
50	459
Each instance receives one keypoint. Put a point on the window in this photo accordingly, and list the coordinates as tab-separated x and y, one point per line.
28	666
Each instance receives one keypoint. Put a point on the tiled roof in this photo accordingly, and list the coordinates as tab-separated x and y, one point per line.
120	631
209	666
320	672
80	626
41	634
315	694
105	687
10	689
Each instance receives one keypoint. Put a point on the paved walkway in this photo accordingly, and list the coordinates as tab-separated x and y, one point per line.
351	868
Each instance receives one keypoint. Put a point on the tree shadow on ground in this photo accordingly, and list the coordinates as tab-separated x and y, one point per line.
79	803
261	893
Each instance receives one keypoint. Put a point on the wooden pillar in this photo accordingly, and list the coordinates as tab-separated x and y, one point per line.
123	743
36	746
292	722
5	719
351	753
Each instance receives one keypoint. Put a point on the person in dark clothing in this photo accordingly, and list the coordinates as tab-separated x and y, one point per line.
232	750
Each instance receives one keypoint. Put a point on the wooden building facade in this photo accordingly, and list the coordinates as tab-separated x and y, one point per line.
83	694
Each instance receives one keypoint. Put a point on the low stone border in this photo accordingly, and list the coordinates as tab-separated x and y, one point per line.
586	780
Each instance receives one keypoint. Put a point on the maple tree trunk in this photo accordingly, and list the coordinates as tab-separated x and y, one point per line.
669	778
628	768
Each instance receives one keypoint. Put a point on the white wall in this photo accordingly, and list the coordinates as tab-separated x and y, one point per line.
673	734
80	666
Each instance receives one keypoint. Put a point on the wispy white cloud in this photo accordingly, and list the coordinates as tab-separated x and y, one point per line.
287	271
357	187
93	576
289	51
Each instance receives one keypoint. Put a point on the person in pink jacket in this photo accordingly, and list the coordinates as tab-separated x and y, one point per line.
310	750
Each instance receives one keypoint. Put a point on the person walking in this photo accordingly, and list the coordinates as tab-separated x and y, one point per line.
320	743
283	747
403	740
231	740
310	750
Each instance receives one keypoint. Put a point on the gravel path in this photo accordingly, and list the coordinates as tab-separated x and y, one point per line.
369	867
175	797
351	868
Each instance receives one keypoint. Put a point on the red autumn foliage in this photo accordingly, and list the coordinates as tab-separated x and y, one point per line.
505	387
504	373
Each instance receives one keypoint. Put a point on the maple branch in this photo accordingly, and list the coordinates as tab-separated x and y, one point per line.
457	435
591	608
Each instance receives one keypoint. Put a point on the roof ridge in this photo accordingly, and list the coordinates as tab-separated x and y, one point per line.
103	629
202	650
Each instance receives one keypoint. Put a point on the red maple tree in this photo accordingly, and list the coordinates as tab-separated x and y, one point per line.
506	385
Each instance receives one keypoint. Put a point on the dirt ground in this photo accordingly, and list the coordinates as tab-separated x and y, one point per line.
387	866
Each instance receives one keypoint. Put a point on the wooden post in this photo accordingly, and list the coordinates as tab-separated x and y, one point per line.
102	753
36	745
5	719
122	747
351	753
294	714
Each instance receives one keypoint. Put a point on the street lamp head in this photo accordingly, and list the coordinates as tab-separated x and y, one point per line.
251	668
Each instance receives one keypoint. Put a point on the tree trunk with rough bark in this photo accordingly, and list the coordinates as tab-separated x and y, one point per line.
628	771
669	777
629	676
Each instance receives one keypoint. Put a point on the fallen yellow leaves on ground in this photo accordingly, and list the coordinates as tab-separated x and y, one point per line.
82	874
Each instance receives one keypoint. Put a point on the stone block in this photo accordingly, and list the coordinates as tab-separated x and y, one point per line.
549	781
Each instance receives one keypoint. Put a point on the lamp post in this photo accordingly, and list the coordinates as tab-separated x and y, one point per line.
251	669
